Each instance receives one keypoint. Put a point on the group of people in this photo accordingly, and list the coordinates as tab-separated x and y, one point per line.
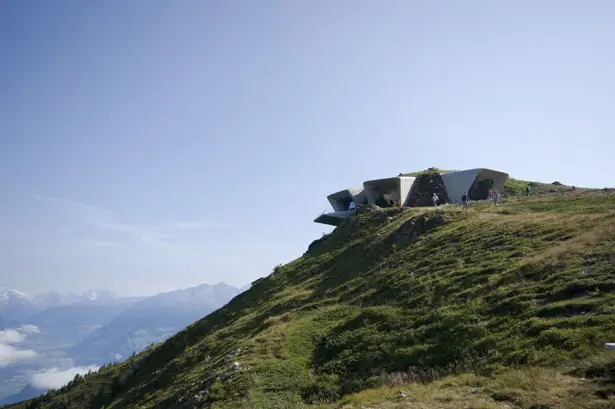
465	200
492	194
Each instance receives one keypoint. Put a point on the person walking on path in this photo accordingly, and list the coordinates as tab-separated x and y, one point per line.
527	190
464	200
490	193
496	198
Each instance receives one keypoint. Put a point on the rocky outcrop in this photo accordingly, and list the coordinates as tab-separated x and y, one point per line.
425	185
368	208
412	229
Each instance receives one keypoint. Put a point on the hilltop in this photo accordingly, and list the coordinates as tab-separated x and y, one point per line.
502	307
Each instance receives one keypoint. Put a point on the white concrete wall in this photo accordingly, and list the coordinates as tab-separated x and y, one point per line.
458	183
371	186
338	199
405	188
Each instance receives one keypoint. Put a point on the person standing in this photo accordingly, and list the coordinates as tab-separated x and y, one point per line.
527	190
436	200
490	193
496	198
464	200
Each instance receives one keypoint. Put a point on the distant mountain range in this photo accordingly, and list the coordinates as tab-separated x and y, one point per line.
55	299
150	321
27	392
19	307
15	305
95	327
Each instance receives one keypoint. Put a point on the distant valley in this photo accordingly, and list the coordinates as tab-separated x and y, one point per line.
47	338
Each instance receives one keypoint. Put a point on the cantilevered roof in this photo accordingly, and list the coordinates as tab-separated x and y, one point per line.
334	218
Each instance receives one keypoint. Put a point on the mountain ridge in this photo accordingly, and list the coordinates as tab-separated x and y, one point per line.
164	314
433	301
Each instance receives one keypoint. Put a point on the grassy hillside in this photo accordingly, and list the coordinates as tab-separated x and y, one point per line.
502	307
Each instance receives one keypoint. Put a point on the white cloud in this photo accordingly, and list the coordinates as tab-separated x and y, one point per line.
29	329
11	336
17	335
55	378
9	353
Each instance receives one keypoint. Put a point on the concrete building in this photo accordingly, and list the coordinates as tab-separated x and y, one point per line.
406	191
475	182
382	192
343	204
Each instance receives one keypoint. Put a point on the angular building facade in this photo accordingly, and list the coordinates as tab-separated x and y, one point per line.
410	191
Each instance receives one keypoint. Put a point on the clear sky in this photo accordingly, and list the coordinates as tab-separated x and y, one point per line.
147	145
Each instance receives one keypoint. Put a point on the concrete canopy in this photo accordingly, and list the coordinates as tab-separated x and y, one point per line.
334	218
382	191
474	182
341	200
343	204
487	178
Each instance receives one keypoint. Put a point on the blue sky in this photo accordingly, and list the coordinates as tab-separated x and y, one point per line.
147	145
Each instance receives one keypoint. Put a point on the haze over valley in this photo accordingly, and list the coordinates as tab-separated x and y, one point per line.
47	338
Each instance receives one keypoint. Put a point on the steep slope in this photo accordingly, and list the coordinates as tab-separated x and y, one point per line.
443	304
150	321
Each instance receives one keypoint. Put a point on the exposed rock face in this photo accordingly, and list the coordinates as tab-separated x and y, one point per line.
425	185
365	216
315	244
411	230
367	208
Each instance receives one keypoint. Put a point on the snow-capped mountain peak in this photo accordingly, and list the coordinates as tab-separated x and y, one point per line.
91	296
49	299
7	294
99	295
15	305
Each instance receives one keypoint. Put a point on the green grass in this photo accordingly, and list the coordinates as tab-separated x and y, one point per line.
516	187
428	171
516	388
484	308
